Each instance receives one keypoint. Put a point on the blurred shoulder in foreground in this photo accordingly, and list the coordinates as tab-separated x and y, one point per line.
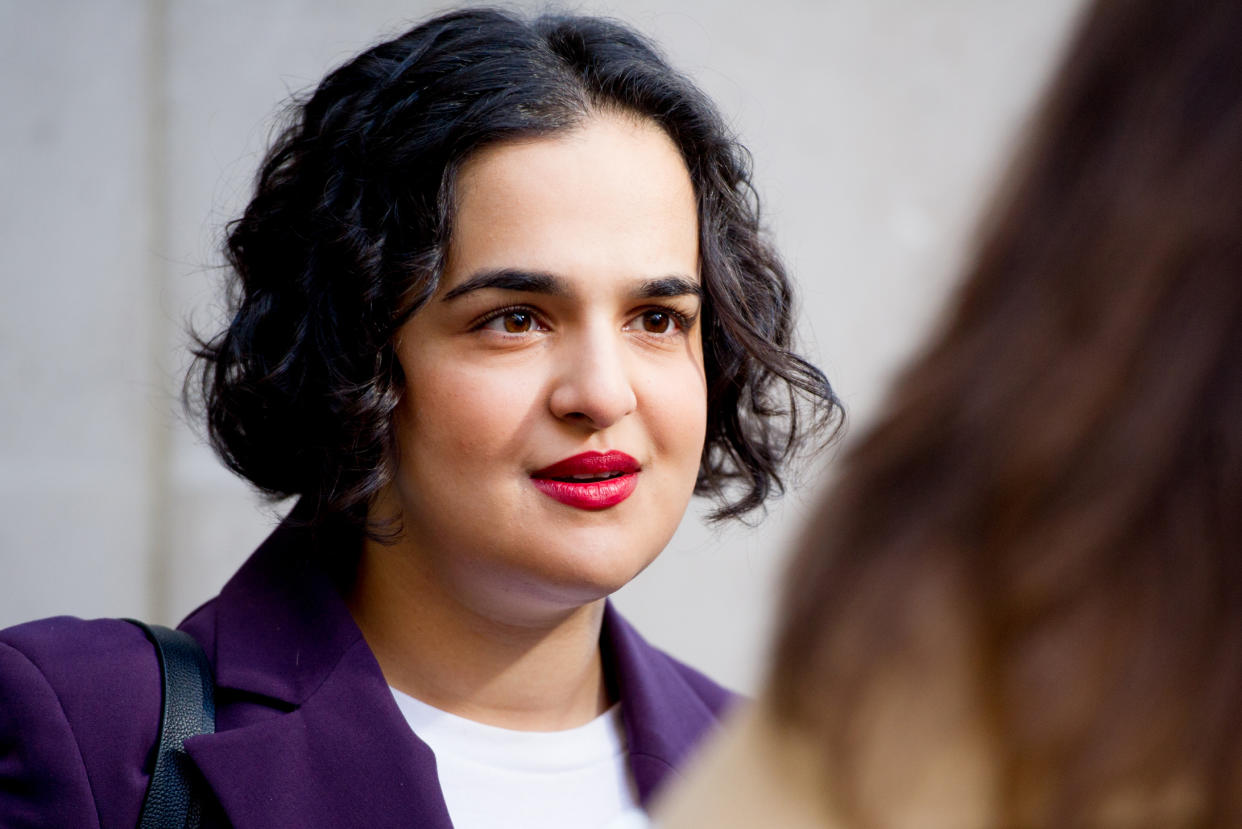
1021	603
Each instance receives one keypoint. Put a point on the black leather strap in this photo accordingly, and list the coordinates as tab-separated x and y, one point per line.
174	799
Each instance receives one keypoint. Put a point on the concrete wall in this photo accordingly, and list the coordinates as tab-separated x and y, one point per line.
130	133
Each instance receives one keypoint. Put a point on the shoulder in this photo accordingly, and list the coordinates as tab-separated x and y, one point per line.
95	665
80	715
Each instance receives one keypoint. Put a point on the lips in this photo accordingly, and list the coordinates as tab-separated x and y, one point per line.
590	481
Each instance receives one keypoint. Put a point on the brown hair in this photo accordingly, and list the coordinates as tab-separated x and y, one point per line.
1052	500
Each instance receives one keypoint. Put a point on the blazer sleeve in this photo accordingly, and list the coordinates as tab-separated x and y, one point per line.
79	714
42	775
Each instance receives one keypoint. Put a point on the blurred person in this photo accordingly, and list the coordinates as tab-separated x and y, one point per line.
500	304
1021	603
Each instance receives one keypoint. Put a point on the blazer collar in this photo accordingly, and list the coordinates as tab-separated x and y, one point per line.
343	754
329	747
281	625
665	718
343	758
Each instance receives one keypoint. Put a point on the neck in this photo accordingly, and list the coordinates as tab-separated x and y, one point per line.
536	672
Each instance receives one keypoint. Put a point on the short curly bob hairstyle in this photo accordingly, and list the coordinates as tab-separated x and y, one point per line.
348	228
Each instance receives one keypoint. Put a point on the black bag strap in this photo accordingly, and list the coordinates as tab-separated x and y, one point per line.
174	798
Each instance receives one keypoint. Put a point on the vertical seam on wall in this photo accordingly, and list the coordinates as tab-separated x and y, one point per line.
155	97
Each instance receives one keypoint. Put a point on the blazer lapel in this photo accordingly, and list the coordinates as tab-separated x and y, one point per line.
308	731
345	758
664	716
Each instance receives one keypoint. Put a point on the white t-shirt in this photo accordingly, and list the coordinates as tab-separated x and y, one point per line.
494	777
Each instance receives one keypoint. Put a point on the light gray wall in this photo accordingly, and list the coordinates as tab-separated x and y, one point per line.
130	131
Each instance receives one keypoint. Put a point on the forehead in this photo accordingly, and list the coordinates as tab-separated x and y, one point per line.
611	197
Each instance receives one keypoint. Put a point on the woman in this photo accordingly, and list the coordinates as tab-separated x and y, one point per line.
1022	604
501	305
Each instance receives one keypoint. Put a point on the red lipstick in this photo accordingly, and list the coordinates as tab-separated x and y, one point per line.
592	480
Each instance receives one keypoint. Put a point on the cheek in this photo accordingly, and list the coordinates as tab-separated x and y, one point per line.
678	413
467	415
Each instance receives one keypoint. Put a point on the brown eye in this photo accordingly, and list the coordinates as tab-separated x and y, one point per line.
513	321
658	322
518	322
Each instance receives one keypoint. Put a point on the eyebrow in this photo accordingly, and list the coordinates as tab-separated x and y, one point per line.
539	282
668	286
510	279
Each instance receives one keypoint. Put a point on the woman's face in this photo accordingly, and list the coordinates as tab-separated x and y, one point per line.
555	401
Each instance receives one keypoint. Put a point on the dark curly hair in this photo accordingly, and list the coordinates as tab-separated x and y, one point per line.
347	231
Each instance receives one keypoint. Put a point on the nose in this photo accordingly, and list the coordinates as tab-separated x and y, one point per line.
593	385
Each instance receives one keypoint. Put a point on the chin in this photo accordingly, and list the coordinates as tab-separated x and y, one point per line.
598	582
585	574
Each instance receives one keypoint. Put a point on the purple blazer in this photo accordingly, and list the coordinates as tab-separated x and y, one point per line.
308	733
